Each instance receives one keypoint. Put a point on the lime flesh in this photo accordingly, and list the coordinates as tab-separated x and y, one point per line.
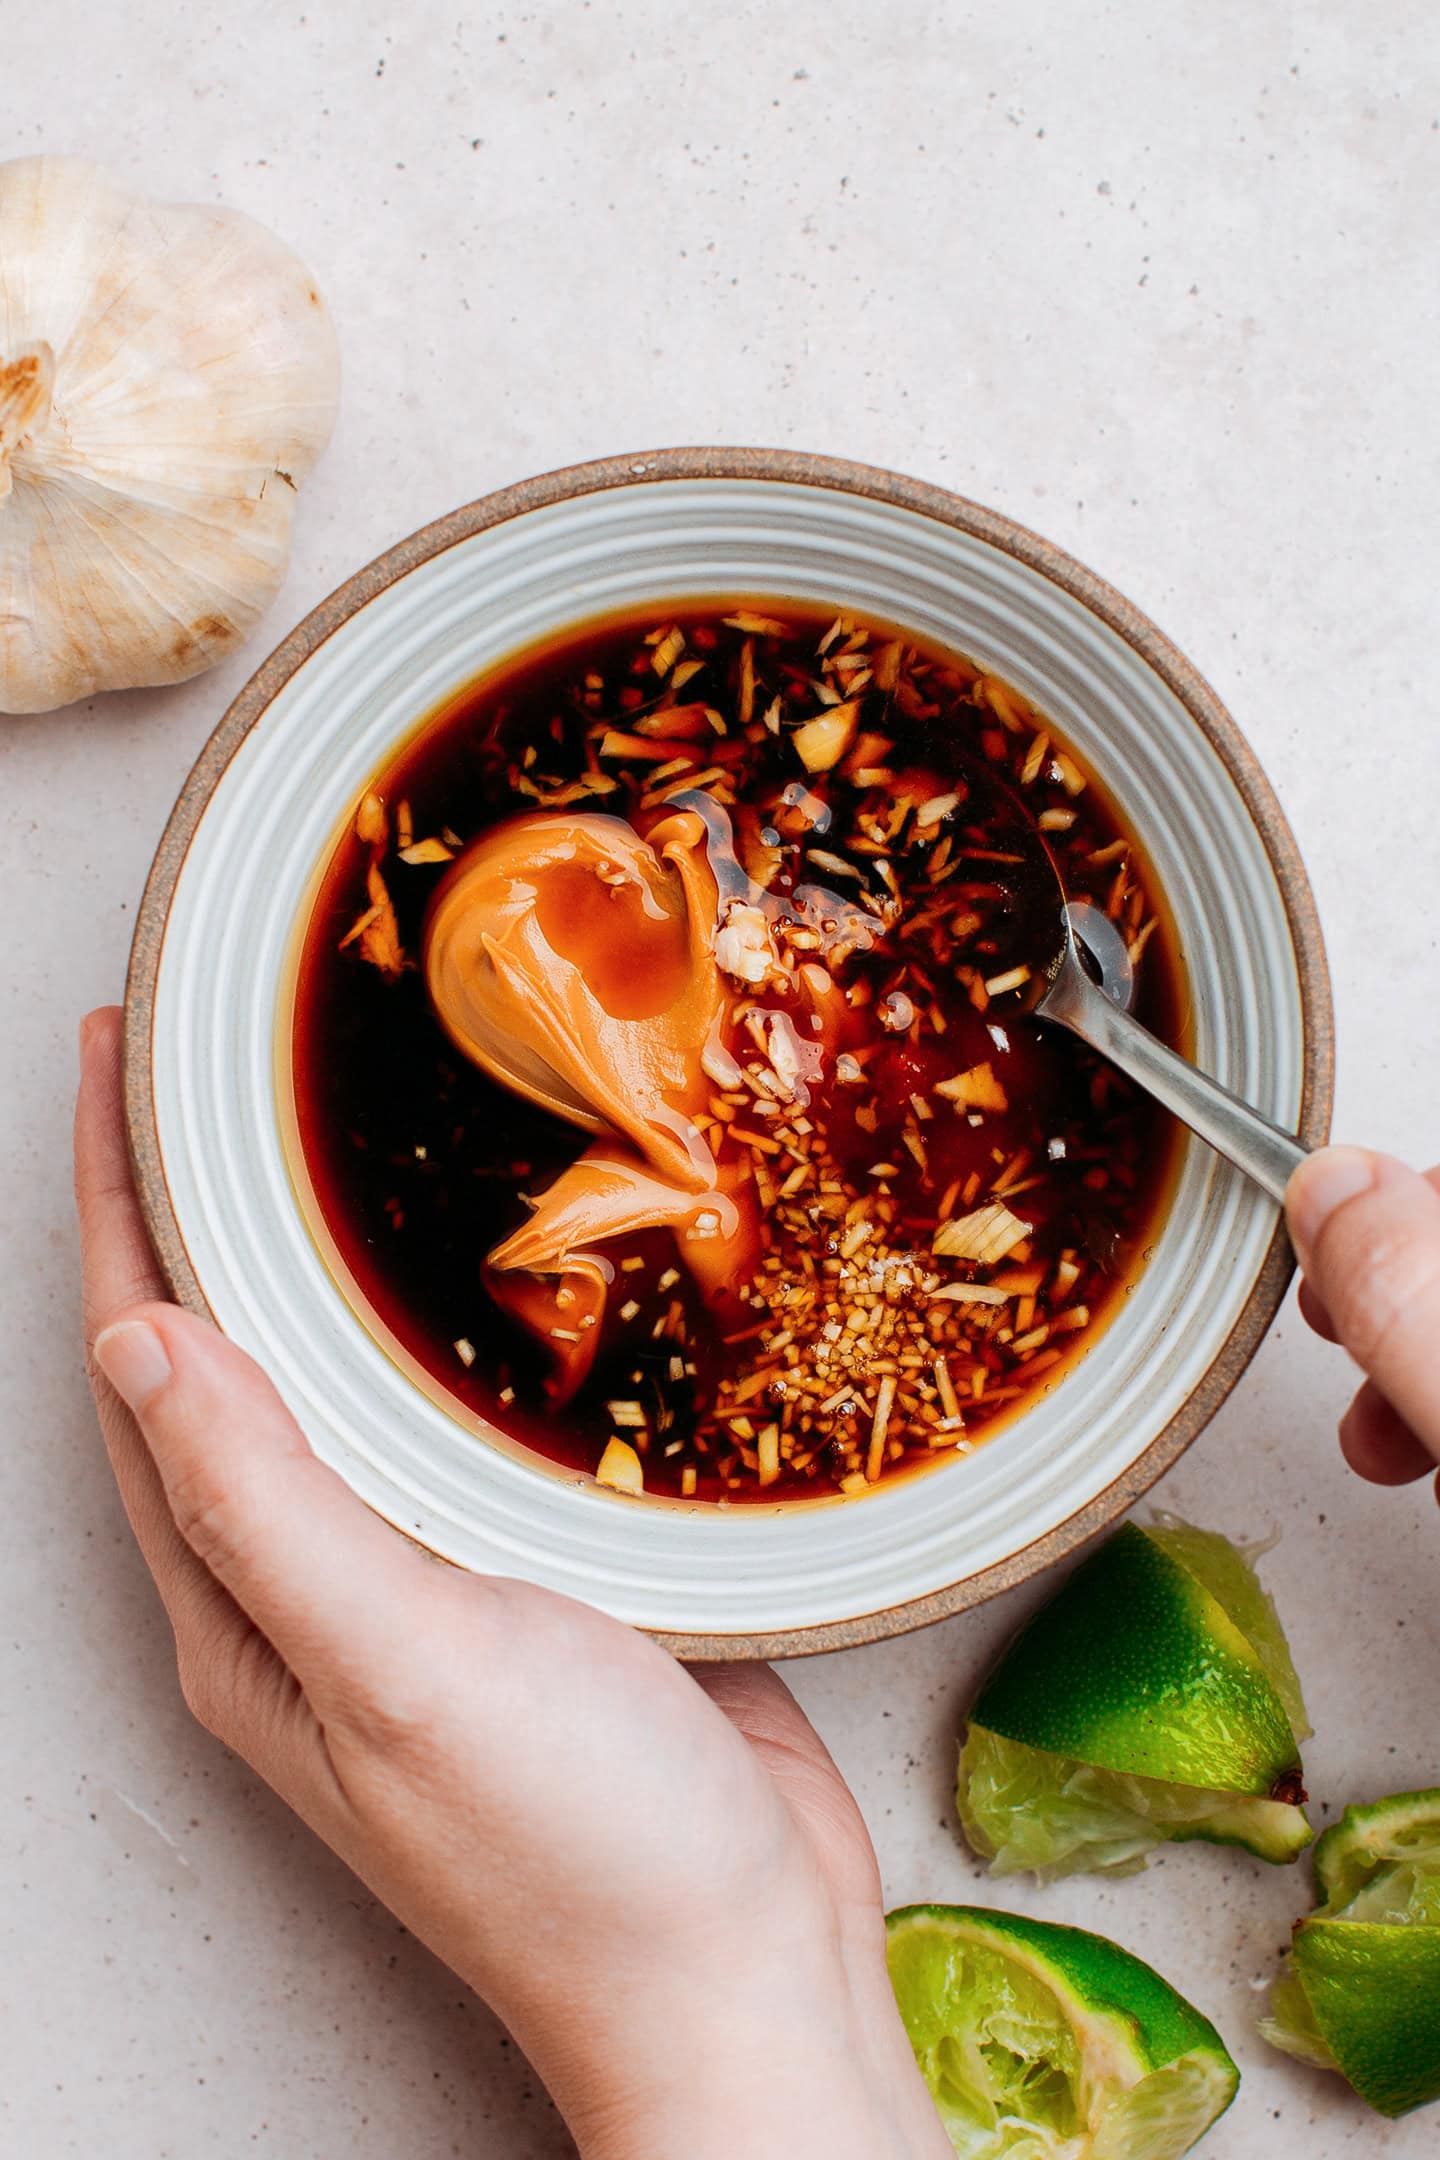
1401	1831
1024	1810
1359	1991
1290	2025
1047	2043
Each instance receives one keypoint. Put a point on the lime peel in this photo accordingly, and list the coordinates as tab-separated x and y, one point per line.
1133	1665
1227	1570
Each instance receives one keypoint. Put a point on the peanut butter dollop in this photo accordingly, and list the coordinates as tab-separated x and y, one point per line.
574	962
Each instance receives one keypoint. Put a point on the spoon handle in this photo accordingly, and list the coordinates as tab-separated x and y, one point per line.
1235	1130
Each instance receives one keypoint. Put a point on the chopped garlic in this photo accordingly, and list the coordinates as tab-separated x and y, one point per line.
797	1065
668	651
718	1065
744	947
620	1468
822	742
977	1089
371	824
986	1235
969	1293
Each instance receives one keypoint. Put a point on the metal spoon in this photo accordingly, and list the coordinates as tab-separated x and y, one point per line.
1097	1014
1093	1001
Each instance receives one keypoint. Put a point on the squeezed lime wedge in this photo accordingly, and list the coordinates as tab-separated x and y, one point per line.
1359	1991
1152	1699
1048	2043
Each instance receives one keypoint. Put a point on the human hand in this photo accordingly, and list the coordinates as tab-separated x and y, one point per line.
1367	1233
657	1878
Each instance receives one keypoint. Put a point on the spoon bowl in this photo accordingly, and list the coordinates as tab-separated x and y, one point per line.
1086	983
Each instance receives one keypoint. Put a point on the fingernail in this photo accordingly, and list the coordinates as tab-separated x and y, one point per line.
1324	1183
134	1360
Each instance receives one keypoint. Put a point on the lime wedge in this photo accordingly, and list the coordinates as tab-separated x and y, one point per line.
1152	1699
1046	2043
1359	1991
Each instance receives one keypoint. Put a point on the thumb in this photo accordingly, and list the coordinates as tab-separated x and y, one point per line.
1367	1233
322	1578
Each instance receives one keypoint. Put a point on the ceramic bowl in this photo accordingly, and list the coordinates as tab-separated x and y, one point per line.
207	1016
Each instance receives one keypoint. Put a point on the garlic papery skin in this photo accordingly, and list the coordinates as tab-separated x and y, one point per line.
168	376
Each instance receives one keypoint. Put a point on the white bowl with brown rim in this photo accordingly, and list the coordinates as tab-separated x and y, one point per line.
211	975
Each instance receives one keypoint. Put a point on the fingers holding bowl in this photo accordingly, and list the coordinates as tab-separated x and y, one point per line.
1313	1310
178	1409
119	1267
1379	1445
119	1272
323	1579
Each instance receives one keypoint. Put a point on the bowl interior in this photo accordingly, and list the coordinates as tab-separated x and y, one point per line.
744	1578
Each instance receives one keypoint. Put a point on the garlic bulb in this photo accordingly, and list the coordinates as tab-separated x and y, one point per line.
168	376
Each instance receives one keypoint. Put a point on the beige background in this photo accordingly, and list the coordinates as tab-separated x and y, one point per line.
1156	279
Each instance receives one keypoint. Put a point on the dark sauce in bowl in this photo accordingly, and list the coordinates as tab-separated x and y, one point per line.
891	1321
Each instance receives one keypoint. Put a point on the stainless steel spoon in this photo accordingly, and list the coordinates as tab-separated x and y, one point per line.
1095	1010
1064	990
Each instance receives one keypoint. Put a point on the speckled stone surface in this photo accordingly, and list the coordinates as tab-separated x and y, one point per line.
1156	281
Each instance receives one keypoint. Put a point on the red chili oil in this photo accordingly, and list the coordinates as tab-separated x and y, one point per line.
418	1165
